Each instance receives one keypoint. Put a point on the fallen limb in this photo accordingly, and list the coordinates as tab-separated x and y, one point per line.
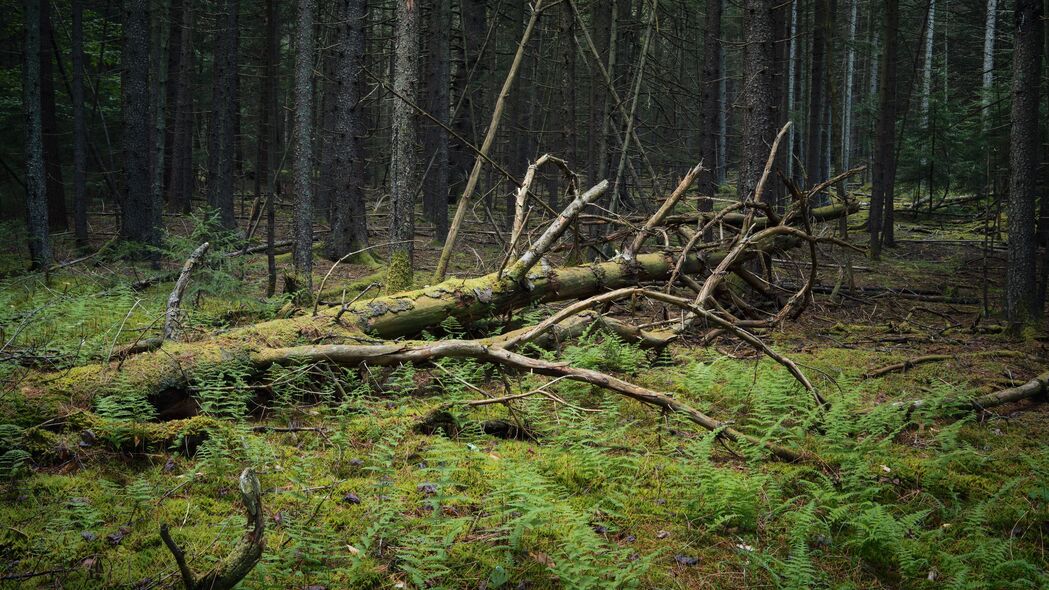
231	570
395	354
1033	388
932	358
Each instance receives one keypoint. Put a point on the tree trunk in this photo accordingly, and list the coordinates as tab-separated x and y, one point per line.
303	155
710	105
180	184
174	55
349	221
158	101
990	30
56	194
265	169
435	140
79	130
792	85
815	144
884	178
222	130
757	95
36	184
141	215
404	164
1020	292
850	73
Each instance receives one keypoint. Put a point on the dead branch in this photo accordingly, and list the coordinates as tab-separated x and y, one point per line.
173	315
400	353
231	570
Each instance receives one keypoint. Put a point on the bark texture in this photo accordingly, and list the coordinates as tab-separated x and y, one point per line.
303	156
1020	290
36	190
222	127
141	214
404	164
759	122
349	230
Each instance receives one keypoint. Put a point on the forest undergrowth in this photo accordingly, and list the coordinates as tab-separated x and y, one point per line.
364	488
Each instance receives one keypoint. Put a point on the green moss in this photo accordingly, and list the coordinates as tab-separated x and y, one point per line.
399	274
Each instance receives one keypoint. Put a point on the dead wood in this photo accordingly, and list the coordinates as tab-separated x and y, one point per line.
173	313
231	570
932	358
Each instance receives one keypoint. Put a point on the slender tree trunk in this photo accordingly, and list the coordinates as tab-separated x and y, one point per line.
180	185
404	159
174	71
850	72
158	103
990	30
79	130
141	215
36	184
815	144
435	189
269	144
303	155
601	27
757	95
222	127
349	221
792	76
1020	291
470	81
884	179
710	105
56	194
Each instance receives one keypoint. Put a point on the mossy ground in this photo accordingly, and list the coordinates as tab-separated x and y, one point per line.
611	494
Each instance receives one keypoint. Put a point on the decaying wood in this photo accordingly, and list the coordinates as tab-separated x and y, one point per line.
231	570
173	313
1039	386
493	128
932	358
408	353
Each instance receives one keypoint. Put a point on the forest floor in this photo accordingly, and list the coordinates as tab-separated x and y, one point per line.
603	492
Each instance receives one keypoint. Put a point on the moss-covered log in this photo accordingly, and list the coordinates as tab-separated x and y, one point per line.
375	321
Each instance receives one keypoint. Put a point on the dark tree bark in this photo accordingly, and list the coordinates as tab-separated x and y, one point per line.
816	143
349	231
435	142
404	161
1021	304
56	194
267	147
141	214
36	189
303	156
757	95
222	127
174	55
884	177
710	104
79	130
180	184
568	85
470	79
600	31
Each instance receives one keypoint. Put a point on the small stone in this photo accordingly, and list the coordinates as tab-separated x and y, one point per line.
686	560
662	534
351	498
427	488
355	462
600	529
88	536
115	538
